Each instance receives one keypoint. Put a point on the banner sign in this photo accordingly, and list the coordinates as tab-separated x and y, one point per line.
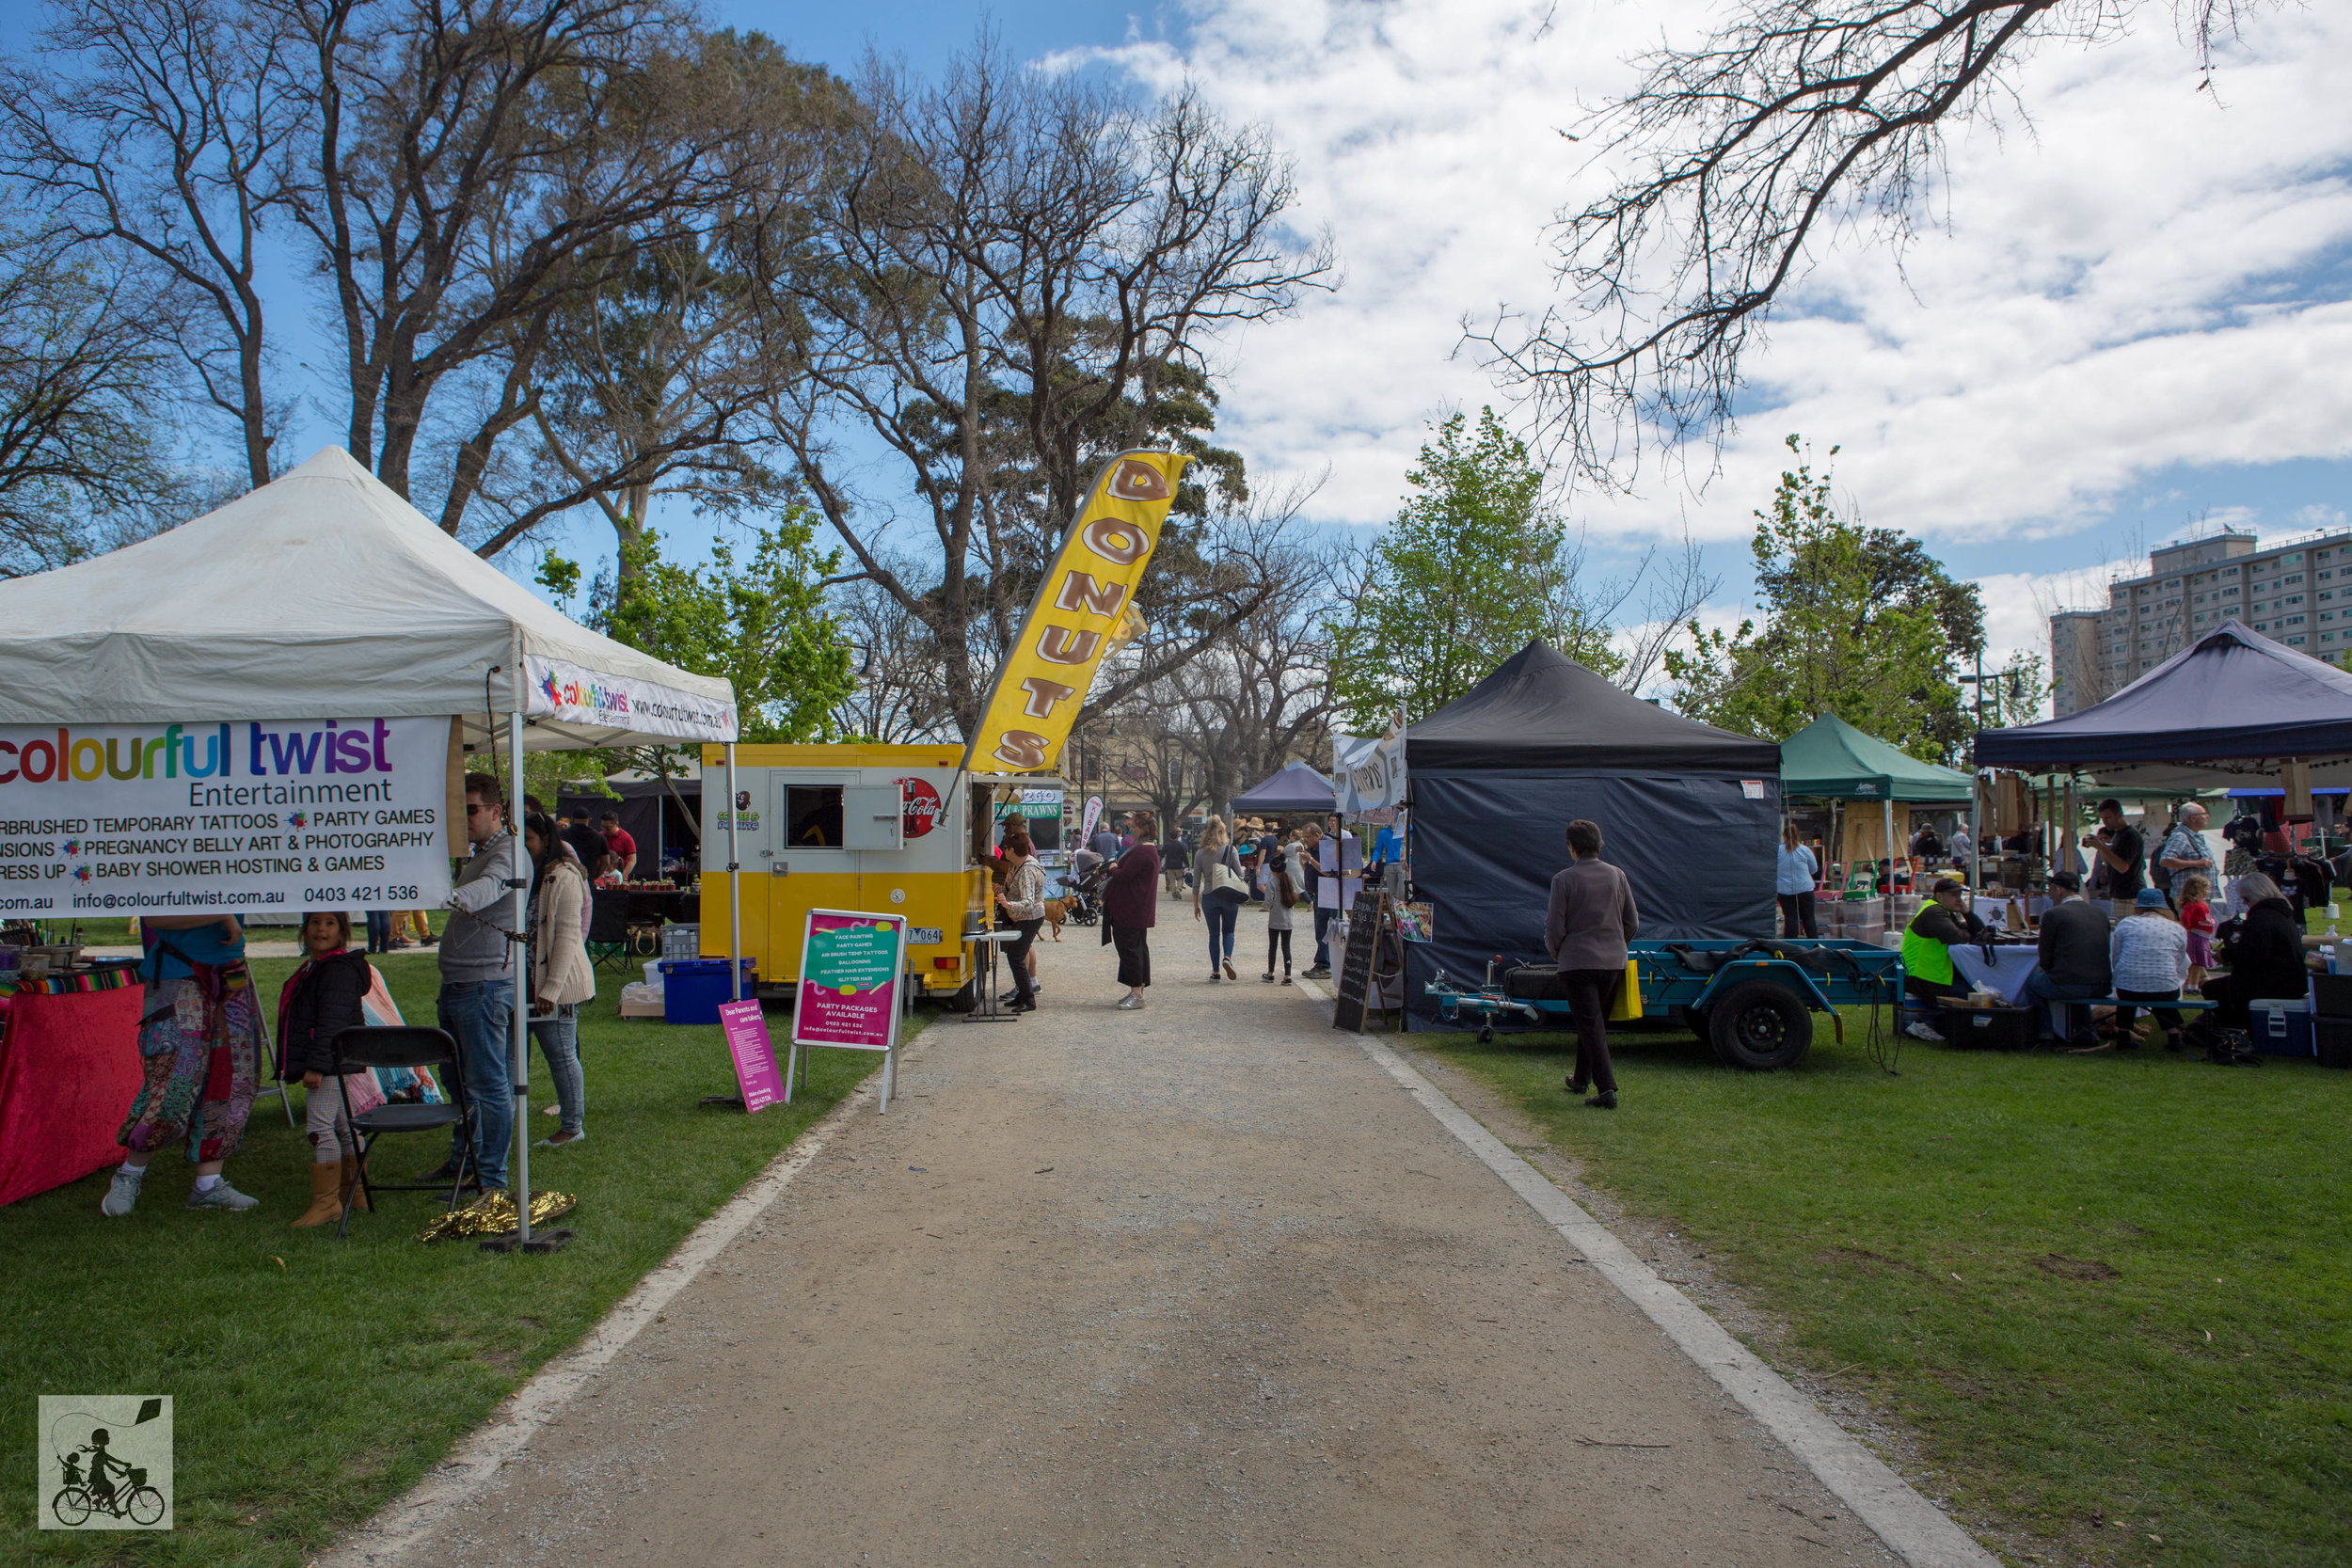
332	814
1030	803
755	1058
1369	771
1086	823
569	694
852	967
1076	614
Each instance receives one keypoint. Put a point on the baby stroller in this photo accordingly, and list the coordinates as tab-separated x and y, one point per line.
1082	889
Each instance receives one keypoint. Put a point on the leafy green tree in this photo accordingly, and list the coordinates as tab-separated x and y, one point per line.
1474	568
1857	621
762	625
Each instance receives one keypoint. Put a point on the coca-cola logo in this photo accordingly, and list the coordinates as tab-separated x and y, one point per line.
921	806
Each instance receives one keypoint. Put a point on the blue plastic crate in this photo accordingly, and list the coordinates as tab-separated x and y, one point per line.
691	988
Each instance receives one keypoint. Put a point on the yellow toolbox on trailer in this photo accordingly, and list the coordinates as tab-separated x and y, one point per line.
885	829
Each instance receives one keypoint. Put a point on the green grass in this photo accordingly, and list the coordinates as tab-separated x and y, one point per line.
307	1395
1941	1243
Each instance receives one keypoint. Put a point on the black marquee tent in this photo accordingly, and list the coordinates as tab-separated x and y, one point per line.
1689	813
2233	696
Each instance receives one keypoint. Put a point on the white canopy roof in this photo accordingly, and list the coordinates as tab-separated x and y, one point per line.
324	595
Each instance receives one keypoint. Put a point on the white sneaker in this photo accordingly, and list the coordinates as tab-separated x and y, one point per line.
122	1193
1923	1032
223	1195
1129	1004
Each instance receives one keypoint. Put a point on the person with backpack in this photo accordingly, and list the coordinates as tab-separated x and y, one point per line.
1274	874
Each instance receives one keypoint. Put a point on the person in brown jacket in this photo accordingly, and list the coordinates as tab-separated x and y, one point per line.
1591	919
1130	911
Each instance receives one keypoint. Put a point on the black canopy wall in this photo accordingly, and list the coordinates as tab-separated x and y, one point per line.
1689	813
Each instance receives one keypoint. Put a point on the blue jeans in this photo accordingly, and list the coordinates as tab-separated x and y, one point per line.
559	1042
1220	910
379	931
2040	990
480	1015
1323	941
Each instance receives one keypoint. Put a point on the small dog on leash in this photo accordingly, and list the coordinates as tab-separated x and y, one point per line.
1055	909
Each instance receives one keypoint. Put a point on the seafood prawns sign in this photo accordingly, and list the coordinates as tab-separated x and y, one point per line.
1045	677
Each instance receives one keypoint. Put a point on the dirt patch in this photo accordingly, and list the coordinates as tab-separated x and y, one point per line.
2074	1268
1861	1257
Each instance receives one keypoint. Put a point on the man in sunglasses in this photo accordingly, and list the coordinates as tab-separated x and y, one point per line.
477	974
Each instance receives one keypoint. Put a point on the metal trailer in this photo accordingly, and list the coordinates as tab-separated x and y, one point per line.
1753	1000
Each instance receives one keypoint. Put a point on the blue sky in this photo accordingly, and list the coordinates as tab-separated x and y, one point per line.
2125	321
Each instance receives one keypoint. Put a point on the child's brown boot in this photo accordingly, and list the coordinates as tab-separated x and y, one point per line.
325	1197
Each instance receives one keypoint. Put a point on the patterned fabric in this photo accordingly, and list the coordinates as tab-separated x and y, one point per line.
114	975
203	1046
2148	953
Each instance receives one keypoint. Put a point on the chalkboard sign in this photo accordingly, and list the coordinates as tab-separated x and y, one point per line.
1355	978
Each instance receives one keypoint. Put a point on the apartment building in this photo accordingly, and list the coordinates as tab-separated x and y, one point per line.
2291	592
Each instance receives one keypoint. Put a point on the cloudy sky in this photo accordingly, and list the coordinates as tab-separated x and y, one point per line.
2134	321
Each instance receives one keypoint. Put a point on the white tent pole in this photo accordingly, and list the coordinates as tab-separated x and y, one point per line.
735	890
518	959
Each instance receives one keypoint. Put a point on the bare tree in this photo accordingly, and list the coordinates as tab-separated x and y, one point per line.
652	375
1673	587
1260	695
1017	273
161	127
86	375
1792	116
473	162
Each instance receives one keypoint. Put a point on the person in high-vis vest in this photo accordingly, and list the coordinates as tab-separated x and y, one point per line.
1944	922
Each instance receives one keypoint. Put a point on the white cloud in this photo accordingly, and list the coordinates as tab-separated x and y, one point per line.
2133	288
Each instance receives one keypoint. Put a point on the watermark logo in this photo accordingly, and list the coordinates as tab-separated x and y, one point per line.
105	1462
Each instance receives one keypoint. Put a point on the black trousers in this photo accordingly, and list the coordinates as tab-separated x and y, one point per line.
1591	992
2169	1017
1017	954
1930	993
1278	942
1135	953
1796	910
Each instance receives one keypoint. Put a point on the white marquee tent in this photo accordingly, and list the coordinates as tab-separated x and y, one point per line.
324	595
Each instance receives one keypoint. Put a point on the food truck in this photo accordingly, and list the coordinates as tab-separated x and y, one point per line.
897	830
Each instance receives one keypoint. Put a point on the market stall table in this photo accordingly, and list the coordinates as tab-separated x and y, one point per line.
2005	973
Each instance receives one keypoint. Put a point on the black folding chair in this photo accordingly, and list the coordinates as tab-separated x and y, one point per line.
410	1046
608	927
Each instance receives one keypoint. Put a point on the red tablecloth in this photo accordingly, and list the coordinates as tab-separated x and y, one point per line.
68	1069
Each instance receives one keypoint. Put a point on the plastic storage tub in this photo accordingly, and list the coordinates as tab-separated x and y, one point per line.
691	988
1991	1028
2279	1028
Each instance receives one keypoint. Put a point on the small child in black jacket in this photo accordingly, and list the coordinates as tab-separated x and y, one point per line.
322	999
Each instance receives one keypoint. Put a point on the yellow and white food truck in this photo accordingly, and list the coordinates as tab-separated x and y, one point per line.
890	828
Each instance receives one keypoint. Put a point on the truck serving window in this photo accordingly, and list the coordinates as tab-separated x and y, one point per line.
814	814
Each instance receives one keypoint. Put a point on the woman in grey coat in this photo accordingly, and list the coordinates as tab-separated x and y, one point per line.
1590	921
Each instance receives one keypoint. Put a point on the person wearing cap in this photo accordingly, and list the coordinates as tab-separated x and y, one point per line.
1944	922
2074	956
2149	956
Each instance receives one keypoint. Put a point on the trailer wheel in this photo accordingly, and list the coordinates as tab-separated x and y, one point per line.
1761	1027
1486	1033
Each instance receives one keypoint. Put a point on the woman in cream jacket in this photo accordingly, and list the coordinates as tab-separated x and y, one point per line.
561	975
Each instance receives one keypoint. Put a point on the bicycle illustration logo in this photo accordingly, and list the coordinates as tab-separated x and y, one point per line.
105	1462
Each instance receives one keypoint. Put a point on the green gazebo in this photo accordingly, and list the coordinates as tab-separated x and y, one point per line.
1829	759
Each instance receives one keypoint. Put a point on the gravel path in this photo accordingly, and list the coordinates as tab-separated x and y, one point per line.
1194	1285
